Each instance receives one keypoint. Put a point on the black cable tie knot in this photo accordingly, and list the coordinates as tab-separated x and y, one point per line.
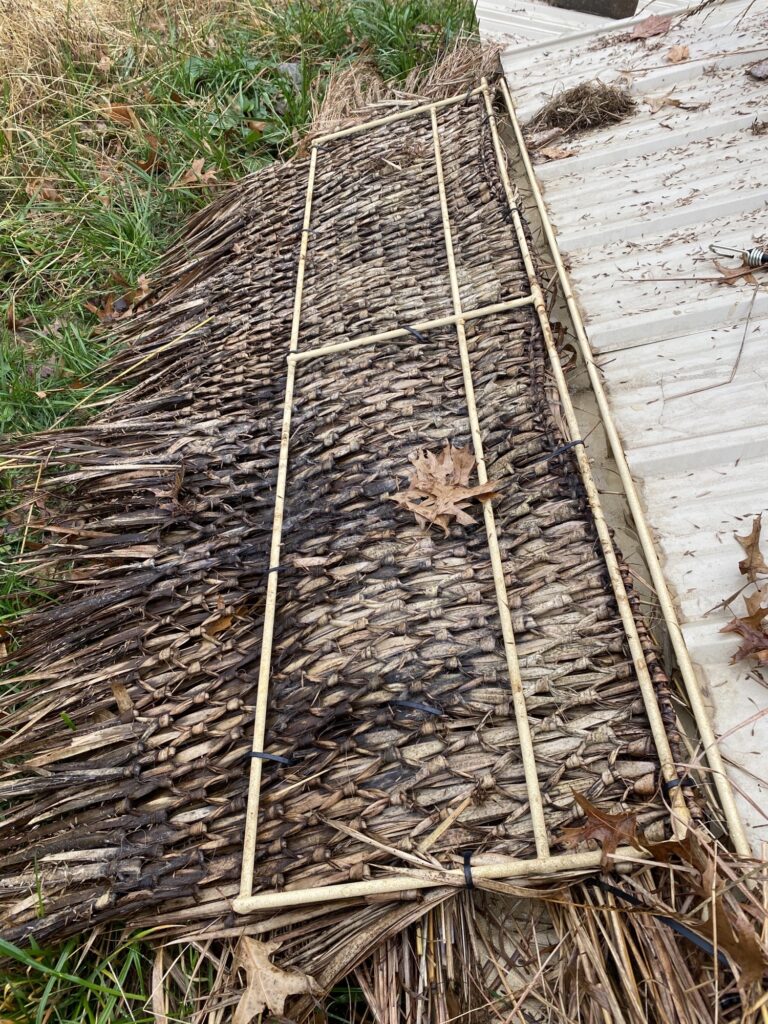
262	755
469	882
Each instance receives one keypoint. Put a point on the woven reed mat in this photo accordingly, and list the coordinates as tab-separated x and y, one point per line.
126	732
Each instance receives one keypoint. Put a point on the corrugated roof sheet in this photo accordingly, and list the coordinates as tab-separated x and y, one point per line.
636	207
520	23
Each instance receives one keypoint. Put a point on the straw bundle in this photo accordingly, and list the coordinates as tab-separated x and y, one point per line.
126	735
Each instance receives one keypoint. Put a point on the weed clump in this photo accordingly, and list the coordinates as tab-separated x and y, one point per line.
588	105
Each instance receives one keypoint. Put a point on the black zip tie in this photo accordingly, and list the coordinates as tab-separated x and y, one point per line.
685	781
670	922
274	568
417	707
468	880
417	334
264	756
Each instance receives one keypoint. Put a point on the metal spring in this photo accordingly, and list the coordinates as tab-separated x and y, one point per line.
756	257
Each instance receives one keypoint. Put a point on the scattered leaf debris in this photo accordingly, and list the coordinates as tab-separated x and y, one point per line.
439	488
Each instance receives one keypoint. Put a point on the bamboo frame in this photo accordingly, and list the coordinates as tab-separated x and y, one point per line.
687	671
681	816
403	332
401	115
510	867
510	649
505	867
265	663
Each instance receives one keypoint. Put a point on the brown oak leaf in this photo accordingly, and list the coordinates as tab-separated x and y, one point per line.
749	628
268	986
439	488
609	830
754	563
195	175
654	25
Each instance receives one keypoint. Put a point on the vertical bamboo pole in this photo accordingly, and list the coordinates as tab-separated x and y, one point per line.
510	650
265	663
687	671
681	817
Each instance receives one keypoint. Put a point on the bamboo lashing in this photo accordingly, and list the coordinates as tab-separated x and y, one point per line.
681	816
685	665
510	650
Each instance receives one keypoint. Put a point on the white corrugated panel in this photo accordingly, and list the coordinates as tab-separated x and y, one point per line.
520	23
635	208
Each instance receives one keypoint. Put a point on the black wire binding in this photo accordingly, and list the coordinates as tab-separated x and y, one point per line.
262	755
417	334
468	880
681	929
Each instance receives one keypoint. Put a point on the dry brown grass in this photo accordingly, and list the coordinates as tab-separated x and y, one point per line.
37	36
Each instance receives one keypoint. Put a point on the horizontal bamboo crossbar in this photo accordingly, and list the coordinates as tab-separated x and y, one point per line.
405	332
507	867
401	115
647	544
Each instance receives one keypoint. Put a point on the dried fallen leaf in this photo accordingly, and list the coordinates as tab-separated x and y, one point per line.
121	113
555	153
654	25
609	830
218	625
153	161
42	188
267	986
41	395
749	628
730	275
677	54
195	175
439	487
754	563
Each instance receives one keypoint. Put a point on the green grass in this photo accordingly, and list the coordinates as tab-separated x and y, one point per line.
103	156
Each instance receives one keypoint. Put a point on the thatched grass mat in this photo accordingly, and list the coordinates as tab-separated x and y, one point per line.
126	734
